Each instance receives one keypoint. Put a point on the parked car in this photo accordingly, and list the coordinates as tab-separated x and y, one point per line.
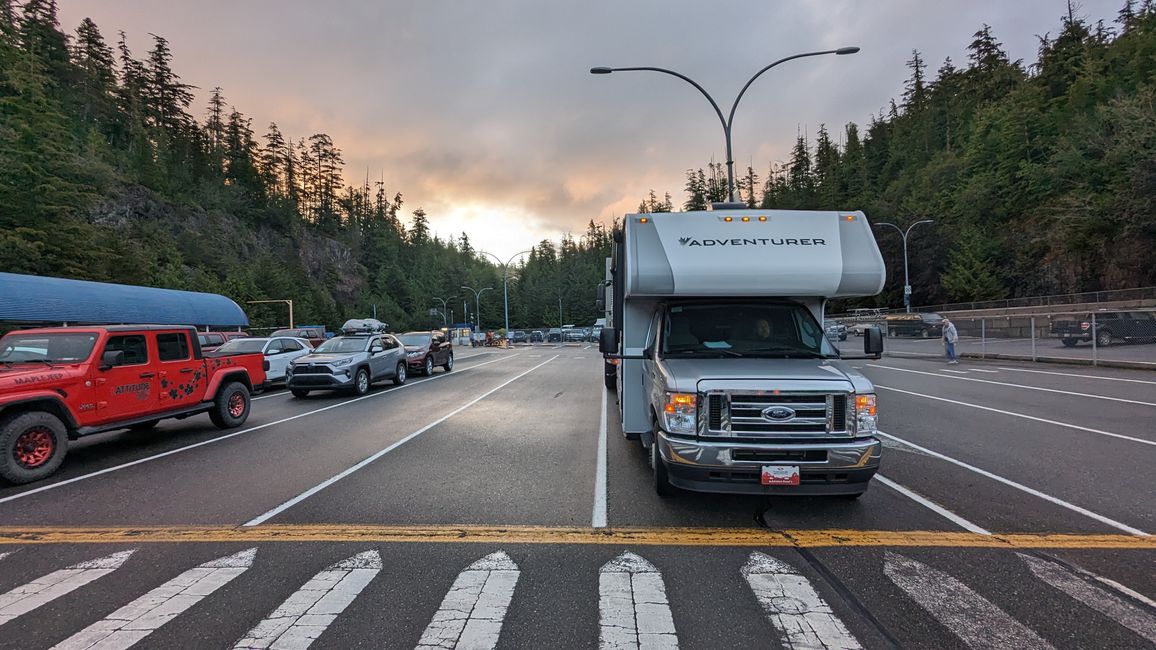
919	324
554	335
351	362
315	336
279	352
519	336
835	330
572	335
210	341
363	326
424	350
1110	327
537	336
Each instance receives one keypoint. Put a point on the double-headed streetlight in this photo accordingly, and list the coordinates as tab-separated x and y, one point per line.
478	303
445	308
906	279
506	281
726	121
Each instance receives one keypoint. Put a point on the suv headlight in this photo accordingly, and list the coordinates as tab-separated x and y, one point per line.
414	354
865	418
342	362
680	414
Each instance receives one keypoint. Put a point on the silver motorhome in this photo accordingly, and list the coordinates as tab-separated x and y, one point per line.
724	371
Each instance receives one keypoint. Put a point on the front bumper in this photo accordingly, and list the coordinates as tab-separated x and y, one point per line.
317	380
836	467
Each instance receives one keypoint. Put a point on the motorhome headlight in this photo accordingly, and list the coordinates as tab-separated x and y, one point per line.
865	418
680	413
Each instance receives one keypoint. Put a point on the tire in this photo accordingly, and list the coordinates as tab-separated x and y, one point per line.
926	333
891	333
32	446
662	484
361	382
610	376
231	408
144	426
1069	343
400	374
449	364
428	369
299	393
1104	338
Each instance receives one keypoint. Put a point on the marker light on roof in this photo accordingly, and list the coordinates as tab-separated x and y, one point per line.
762	218
848	217
746	219
643	220
728	219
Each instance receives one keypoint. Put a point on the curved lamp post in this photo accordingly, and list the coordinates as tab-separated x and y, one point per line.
478	303
904	234
506	281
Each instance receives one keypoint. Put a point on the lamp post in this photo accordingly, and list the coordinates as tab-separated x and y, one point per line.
728	121
445	308
478	303
506	282
287	302
906	279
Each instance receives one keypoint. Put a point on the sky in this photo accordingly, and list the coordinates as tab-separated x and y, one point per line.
484	114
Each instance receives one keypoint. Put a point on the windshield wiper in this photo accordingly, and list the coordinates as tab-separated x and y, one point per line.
810	354
708	352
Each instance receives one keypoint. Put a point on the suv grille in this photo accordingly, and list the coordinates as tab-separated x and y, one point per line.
797	414
311	370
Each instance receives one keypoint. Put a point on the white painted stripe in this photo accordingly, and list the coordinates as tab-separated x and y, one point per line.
1123	612
993	372
633	611
473	610
306	614
333	479
140	618
1057	423
932	506
598	514
139	461
1081	376
1010	385
793	606
957	372
6	554
975	620
47	588
1023	488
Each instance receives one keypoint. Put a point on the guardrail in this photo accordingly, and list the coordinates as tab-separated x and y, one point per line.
1059	300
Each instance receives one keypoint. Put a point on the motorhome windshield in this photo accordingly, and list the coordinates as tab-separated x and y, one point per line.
764	330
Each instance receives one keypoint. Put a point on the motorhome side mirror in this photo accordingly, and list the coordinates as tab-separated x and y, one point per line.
873	342
608	340
111	358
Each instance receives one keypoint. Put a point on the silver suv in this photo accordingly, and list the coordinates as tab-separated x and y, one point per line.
351	362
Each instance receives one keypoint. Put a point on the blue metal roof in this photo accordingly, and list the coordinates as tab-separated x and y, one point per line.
35	299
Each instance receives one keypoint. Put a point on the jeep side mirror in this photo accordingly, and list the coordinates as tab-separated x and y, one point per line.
111	358
873	342
608	340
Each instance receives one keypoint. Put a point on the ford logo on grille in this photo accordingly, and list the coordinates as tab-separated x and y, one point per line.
779	413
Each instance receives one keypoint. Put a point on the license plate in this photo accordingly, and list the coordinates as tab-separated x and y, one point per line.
780	475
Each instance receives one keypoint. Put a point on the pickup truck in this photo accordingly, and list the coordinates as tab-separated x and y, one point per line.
59	384
1110	327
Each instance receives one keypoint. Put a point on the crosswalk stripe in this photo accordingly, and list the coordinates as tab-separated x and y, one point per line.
138	619
632	608
472	613
1123	612
975	620
794	607
305	615
6	554
49	587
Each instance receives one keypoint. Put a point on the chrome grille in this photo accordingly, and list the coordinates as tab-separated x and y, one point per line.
755	414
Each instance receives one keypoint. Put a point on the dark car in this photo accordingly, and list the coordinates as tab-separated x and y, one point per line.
537	337
424	350
518	336
919	324
1110	327
554	335
835	330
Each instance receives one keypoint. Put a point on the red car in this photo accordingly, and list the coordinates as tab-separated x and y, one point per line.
59	384
212	340
425	350
314	335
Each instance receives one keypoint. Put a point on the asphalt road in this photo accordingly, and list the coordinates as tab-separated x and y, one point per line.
477	509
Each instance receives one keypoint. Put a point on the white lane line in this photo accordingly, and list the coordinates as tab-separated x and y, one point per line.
337	477
283	391
956	372
472	612
1004	383
306	614
992	372
1123	612
932	506
598	514
1081	376
146	459
794	607
1057	423
632	608
6	554
1023	488
974	619
140	618
49	587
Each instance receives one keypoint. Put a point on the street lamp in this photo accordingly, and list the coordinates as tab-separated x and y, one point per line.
287	302
506	282
445	308
478	303
906	279
727	122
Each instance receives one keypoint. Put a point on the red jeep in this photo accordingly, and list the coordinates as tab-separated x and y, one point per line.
60	384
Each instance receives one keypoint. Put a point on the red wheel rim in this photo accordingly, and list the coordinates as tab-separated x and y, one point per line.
236	405
34	447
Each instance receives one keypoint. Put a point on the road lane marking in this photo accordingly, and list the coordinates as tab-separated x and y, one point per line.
474	534
6	554
632	608
305	615
49	587
1057	423
977	622
931	505
794	607
283	391
1004	383
993	372
140	618
473	610
598	515
1123	612
955	372
1023	488
333	479
1068	374
146	459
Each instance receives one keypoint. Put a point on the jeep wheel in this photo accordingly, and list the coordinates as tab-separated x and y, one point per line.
428	369
449	364
231	408
400	374
361	382
32	446
1104	338
1069	343
300	393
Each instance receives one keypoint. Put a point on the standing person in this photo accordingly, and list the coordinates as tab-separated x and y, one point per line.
950	336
